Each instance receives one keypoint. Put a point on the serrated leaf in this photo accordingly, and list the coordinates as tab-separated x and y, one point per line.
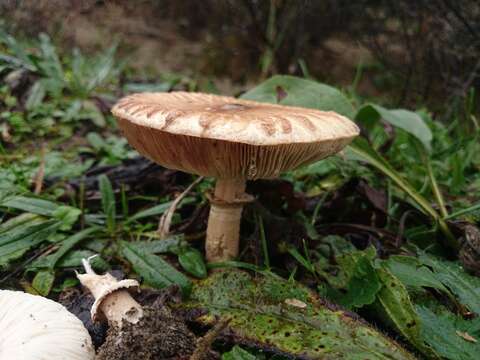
154	270
260	315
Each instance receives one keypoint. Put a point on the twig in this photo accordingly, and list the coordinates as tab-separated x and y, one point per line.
41	171
205	342
166	219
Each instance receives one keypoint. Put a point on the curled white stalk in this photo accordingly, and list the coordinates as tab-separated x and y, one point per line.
113	301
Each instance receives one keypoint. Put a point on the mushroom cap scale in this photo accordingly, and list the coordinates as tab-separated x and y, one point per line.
225	137
35	328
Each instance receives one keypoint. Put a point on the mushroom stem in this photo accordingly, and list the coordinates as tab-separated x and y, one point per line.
223	228
112	299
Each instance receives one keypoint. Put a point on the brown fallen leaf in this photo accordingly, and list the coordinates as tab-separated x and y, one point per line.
466	336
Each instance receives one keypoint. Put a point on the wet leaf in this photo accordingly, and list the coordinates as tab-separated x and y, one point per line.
395	308
43	282
18	240
301	92
451	274
192	261
406	120
237	353
260	317
154	270
441	331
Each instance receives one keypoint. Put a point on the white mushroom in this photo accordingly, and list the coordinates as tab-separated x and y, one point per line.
35	328
232	140
112	299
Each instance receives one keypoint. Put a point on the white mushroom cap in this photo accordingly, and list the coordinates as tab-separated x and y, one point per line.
225	137
35	328
101	287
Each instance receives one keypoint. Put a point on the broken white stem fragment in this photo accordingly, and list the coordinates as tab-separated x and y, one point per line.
113	301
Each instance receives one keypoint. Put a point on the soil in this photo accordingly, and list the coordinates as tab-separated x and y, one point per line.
159	335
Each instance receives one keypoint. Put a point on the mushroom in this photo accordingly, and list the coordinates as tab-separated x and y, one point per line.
232	140
113	301
35	328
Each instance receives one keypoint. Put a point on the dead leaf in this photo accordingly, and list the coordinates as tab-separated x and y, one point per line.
466	336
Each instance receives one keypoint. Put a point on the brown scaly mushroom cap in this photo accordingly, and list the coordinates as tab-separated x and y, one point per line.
232	140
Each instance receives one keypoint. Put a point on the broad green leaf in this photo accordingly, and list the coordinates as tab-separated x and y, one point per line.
406	120
43	281
72	259
192	261
412	272
291	90
362	286
30	204
464	286
237	353
67	215
154	270
108	202
172	244
444	332
269	312
395	307
17	241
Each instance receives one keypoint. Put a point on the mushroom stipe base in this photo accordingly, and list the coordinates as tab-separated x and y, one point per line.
223	229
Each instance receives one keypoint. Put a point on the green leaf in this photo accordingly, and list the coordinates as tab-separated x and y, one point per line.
395	307
30	204
43	282
412	272
362	150
465	287
443	332
262	312
35	96
192	261
68	244
291	90
154	270
406	120
17	241
172	244
237	353
67	215
363	285
108	202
